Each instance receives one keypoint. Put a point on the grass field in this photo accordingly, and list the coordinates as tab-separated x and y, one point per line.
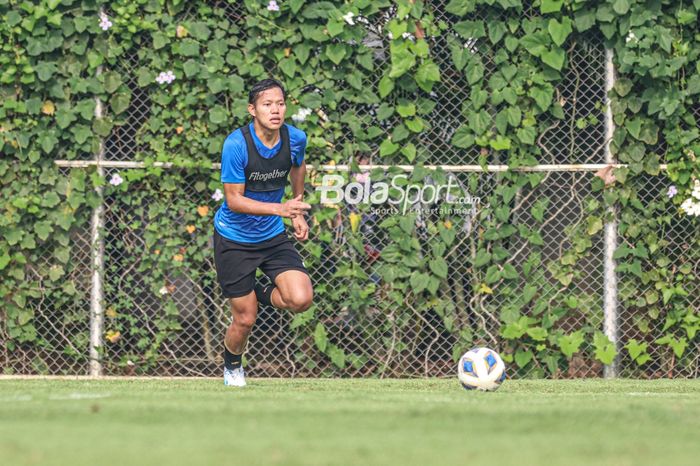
346	422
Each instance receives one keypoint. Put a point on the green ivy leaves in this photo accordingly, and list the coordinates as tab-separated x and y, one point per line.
402	58
554	58
559	31
336	53
604	349
571	343
112	80
638	351
512	68
427	75
551	6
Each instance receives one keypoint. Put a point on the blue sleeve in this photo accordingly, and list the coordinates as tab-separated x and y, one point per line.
234	158
298	143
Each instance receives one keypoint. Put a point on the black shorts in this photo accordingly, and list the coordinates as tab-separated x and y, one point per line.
236	263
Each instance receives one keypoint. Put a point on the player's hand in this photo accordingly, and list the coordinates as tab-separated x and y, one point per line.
294	208
301	228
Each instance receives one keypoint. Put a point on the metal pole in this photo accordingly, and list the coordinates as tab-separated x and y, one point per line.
563	167
98	250
610	278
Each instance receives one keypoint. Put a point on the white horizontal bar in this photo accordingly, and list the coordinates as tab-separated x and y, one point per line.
582	167
119	164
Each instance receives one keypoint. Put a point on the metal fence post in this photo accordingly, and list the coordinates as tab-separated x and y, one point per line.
610	278
98	249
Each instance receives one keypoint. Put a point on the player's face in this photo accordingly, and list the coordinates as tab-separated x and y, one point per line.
269	108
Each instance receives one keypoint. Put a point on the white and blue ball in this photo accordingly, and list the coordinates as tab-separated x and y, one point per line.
481	369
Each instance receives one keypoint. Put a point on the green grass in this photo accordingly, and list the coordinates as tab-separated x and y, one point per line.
345	422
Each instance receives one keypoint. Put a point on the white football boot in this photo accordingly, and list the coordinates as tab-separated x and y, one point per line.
235	377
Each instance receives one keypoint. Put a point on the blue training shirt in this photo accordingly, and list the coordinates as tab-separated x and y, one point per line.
246	228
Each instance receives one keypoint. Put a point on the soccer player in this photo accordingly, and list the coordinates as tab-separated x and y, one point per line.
256	161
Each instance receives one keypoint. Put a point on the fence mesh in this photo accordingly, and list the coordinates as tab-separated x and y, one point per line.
171	321
161	320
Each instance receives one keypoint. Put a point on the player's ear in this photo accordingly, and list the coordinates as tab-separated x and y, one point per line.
251	110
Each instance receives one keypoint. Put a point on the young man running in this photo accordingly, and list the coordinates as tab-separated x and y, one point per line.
249	233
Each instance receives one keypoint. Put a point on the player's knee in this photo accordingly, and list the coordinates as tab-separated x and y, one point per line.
299	302
246	321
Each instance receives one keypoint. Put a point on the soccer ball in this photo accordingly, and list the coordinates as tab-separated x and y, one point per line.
481	369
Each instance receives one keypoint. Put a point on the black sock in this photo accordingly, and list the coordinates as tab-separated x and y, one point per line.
264	294
232	361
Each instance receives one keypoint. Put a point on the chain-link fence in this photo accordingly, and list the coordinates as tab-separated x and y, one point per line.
189	307
171	322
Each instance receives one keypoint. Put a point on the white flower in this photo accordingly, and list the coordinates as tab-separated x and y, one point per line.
631	37
695	210
116	180
672	191
105	23
273	6
390	36
470	45
348	18
165	77
163	290
301	114
218	195
690	207
696	190
362	177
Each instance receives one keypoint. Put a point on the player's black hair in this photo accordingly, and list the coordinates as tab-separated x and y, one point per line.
264	85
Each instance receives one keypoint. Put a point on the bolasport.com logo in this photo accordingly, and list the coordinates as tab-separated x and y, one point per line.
398	195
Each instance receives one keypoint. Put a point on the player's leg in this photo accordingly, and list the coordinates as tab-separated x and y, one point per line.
293	291
290	286
236	265
244	310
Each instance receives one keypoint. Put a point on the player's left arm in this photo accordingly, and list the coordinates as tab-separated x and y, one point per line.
297	175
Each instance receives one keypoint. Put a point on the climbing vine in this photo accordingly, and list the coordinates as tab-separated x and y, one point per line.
367	81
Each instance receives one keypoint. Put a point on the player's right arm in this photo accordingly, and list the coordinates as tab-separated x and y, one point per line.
237	202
